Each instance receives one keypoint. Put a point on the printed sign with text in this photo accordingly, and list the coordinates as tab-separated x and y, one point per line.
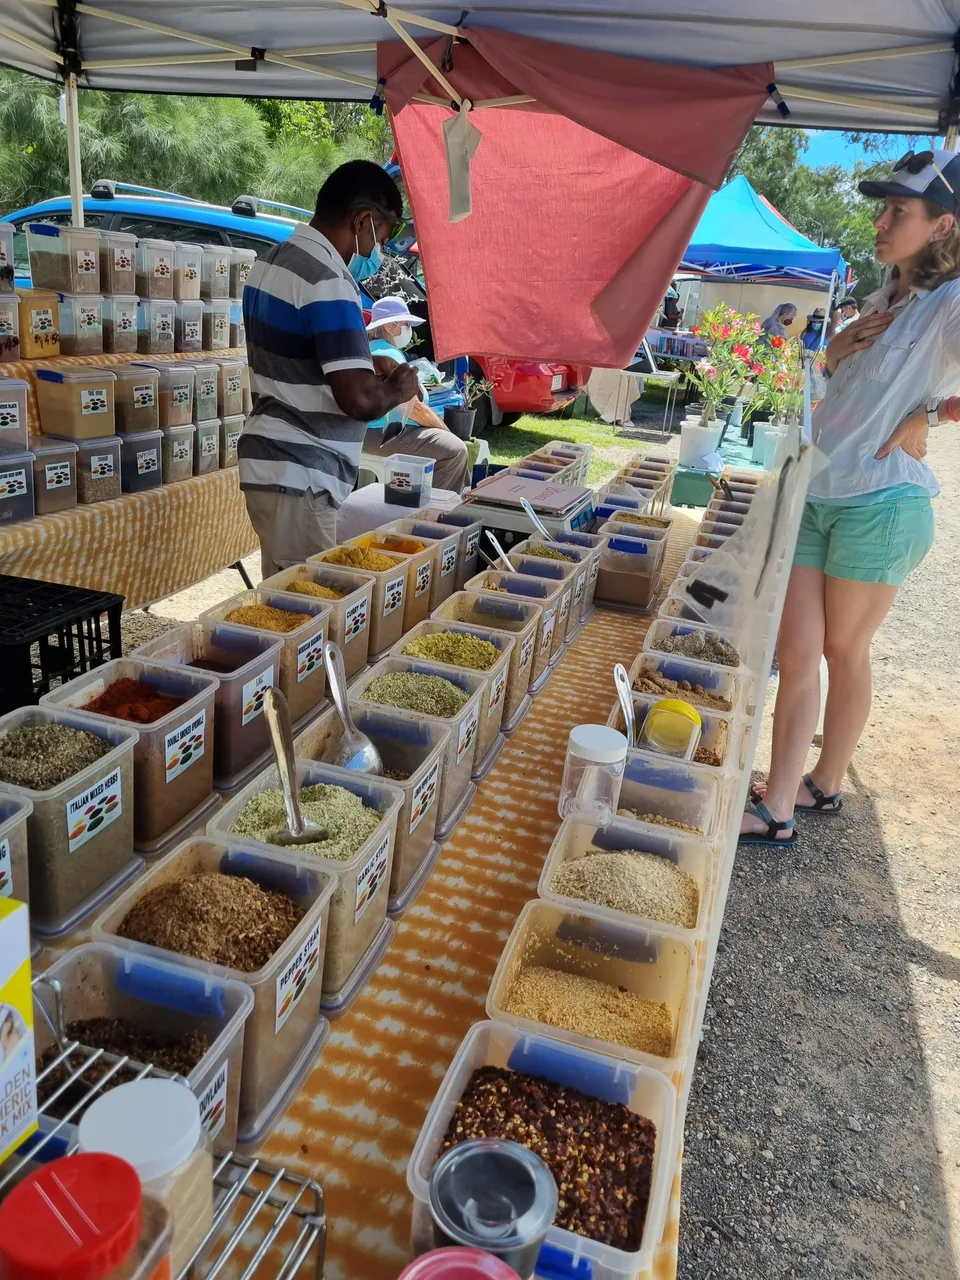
496	692
253	694
371	876
468	733
355	620
473	541
448	561
184	745
93	810
309	656
6	869
424	795
213	1101
393	595
423	578
297	974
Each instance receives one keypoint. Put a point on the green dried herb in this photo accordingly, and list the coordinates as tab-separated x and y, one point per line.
347	819
42	756
548	553
453	647
412	691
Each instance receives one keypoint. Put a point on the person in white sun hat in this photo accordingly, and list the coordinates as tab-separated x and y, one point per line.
412	428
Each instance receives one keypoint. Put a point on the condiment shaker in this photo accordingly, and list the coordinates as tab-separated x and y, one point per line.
592	774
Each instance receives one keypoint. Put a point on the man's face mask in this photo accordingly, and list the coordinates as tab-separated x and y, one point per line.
363	266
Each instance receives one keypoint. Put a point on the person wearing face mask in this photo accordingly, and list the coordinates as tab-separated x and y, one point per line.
776	325
414	428
313	379
812	340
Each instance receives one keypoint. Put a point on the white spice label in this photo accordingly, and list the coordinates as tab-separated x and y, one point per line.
253	694
233	439
180	450
310	656
401	480
448	561
594	569
162	267
526	649
473	541
424	796
143	397
496	692
191	269
549	622
371	876
6	869
184	745
94	401
564	609
93	810
213	1101
355	620
207	388
243	270
233	384
124	319
191	330
393	595
41	321
13	484
578	590
423	578
88	318
468	733
101	466
147	461
86	262
219	266
9	415
122	259
296	976
57	475
162	323
180	395
220	323
7	327
210	446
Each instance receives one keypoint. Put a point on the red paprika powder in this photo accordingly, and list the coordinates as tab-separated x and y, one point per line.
134	700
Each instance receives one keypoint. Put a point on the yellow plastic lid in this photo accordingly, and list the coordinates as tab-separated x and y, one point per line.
672	725
680	708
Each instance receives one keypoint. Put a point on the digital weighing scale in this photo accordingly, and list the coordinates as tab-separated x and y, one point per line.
496	503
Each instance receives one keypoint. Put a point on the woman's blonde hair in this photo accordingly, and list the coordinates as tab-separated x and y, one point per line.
940	261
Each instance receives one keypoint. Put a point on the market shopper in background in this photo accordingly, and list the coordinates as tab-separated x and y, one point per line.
868	519
776	325
312	376
413	428
843	315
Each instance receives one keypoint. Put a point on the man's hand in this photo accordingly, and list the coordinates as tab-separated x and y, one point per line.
856	337
403	383
910	436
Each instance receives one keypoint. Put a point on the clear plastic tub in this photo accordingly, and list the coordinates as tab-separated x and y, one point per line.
444	571
717	730
16	487
721	685
136	398
205	390
76	403
216	326
349	623
13	415
155	269
98	470
229	388
81	831
118	262
140	466
629	574
176	385
553	571
358	908
230	431
468	556
6	258
9	327
650	963
64	259
708	540
54	475
238	332
422	567
188	327
120	324
14	869
657	537
283	1033
247	393
173	760
245	666
582	562
81	324
206	447
408	480
156	321
386	604
663	791
405	746
102	980
186	271
541	592
176	453
303	679
39	315
215	272
593	769
644	1091
456	788
241	260
663	630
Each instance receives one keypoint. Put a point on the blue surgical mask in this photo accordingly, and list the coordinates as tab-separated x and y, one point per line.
363	267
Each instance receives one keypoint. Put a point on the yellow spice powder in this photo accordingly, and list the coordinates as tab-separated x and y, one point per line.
362	558
266	618
408	546
307	588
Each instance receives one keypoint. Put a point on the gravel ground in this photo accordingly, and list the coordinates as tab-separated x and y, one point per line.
823	1134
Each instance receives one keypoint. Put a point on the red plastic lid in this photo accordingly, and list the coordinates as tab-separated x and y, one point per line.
76	1219
458	1264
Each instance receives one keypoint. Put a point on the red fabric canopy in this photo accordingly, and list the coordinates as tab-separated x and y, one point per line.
583	201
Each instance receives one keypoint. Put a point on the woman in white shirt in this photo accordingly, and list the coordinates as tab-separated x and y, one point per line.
868	519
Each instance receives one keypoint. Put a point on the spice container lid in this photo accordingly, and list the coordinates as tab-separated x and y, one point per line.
492	1194
75	1219
598	743
458	1264
152	1124
75	375
134	371
51	444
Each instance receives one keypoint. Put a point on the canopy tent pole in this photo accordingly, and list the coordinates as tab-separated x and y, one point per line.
923	114
868	55
73	147
951	138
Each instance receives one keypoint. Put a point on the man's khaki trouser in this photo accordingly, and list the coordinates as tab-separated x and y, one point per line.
290	526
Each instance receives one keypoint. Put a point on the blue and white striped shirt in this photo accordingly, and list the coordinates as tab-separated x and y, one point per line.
303	318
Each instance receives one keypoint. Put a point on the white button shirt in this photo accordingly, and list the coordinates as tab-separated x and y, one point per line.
917	359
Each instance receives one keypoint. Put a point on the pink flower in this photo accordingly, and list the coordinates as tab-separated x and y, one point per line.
707	370
725	331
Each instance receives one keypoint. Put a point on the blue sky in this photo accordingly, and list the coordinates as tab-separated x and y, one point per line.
829	147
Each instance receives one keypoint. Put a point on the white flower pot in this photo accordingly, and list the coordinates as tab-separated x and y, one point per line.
697	441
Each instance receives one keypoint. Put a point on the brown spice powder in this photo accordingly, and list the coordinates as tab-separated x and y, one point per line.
659	820
650	681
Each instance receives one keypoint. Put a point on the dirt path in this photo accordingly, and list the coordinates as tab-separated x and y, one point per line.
823	1137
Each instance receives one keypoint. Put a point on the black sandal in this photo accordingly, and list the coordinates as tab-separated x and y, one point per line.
770	836
823	806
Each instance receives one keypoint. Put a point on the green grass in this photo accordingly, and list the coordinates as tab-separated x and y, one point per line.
610	450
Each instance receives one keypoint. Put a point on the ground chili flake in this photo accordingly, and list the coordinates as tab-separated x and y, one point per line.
134	700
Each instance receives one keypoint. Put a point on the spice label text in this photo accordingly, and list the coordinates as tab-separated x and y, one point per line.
424	795
93	810
184	745
213	1101
372	876
297	975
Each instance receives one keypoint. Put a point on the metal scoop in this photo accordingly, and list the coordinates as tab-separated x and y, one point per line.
500	552
300	830
356	751
535	520
624	693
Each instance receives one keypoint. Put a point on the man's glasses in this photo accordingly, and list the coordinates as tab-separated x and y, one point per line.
916	161
394	224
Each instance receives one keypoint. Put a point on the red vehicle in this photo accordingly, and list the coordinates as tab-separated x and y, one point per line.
527	386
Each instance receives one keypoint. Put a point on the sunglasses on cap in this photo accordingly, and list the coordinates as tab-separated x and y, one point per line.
916	161
394	224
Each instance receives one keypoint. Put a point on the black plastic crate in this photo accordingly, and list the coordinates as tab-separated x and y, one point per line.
50	633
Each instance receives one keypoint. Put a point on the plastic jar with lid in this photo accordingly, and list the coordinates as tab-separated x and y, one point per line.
247	393
238	333
6	257
64	259
206	393
176	395
76	403
215	271
84	1217
118	262
206	447
155	325
176	453
241	260
230	388
155	1126
216	325
16	487
592	774
140	464
81	324
155	269
186	271
188	327
54	474
39	324
98	470
231	429
9	326
13	415
137	397
120	324
671	727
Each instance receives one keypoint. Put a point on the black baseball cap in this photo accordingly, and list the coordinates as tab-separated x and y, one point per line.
925	175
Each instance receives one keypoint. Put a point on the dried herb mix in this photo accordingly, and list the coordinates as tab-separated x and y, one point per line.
414	691
42	756
348	820
453	647
627	880
548	553
704	646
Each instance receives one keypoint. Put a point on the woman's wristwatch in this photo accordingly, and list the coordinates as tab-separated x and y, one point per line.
933	411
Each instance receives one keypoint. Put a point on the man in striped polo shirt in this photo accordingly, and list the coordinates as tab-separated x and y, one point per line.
312	377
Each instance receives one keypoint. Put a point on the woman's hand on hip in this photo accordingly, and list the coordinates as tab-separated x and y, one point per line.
910	436
856	337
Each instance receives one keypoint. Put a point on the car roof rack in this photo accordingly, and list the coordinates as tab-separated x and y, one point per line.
249	207
109	188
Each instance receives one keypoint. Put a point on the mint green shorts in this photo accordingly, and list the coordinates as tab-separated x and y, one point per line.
880	542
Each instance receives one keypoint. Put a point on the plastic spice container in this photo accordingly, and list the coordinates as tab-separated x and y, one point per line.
444	573
155	1126
9	327
629	575
186	271
81	324
155	269
229	388
137	397
155	326
13	414
245	666
64	259
173	760
14	872
6	258
216	326
215	272
84	1217
101	980
716	728
554	571
176	453
421	559
188	326
672	728
39	324
98	470
303	678
16	487
468	556
54	475
230	432
408	480
120	324
661	792
81	831
76	403
386	605
544	593
205	399
238	333
206	447
176	383
581	564
349	622
118	262
241	260
592	774
140	466
247	393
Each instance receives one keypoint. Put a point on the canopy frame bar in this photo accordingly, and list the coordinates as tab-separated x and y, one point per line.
866	55
33	45
924	114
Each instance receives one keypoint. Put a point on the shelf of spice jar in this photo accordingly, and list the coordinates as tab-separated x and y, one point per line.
444	571
64	259
609	985
14	393
188	327
468	554
81	324
14	868
545	593
39	324
136	1003
136	394
420	558
216	325
301	625
413	755
16	487
155	260
186	271
428	703
581	601
206	447
245	667
80	833
230	431
9	327
283	1034
76	403
54	474
140	466
349	595
176	453
389	591
590	1080
120	324
361	813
